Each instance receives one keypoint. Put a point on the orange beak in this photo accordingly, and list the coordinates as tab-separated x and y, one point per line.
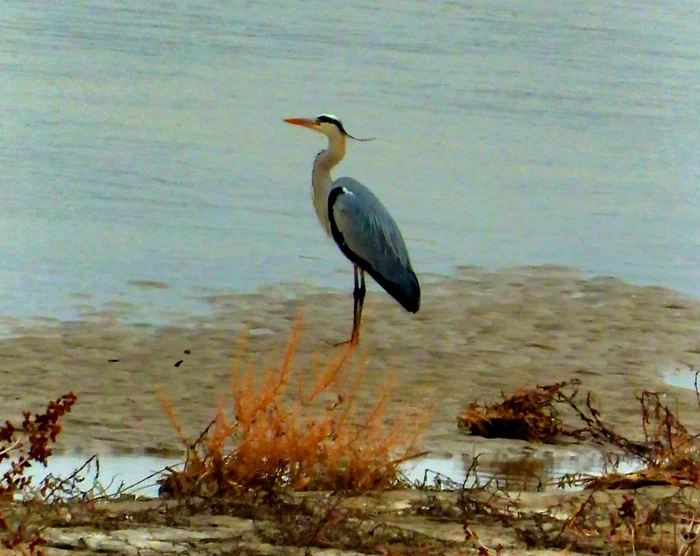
304	122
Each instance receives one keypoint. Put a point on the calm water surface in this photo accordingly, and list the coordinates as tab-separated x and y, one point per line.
144	141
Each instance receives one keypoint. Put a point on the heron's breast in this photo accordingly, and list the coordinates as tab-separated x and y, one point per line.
321	208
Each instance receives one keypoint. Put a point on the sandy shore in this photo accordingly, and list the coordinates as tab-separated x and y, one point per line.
398	522
477	333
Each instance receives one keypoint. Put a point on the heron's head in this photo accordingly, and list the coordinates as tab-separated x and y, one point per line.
327	124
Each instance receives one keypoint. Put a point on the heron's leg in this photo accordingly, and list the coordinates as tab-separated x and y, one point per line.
359	296
355	298
361	299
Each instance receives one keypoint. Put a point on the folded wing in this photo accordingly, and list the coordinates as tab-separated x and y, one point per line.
367	235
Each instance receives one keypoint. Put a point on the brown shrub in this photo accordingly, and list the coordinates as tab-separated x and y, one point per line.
272	443
529	414
24	446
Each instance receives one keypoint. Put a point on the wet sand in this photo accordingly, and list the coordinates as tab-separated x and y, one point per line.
400	522
478	333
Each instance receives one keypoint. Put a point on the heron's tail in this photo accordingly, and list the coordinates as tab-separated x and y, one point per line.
406	290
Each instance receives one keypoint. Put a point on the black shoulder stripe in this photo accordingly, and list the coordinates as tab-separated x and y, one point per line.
354	258
337	235
333	195
335	232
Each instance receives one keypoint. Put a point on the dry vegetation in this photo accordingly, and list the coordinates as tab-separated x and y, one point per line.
667	454
616	513
529	414
22	447
302	444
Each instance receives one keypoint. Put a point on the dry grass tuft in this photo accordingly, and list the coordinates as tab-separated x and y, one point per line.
287	433
669	455
529	414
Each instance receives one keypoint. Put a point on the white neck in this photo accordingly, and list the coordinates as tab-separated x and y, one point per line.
321	180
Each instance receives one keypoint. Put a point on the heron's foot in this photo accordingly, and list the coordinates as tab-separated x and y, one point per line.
353	340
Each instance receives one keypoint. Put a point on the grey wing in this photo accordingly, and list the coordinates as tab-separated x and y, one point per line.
368	235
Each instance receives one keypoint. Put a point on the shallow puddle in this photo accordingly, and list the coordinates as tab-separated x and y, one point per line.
527	472
137	475
681	377
109	475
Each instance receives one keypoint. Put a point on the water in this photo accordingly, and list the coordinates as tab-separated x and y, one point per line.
682	376
143	141
526	472
109	475
138	474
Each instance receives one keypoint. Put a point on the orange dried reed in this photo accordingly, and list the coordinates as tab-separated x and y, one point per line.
297	444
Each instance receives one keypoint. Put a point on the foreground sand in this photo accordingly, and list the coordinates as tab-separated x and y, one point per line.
398	522
477	334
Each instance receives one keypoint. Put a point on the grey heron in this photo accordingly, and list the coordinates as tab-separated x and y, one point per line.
359	223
